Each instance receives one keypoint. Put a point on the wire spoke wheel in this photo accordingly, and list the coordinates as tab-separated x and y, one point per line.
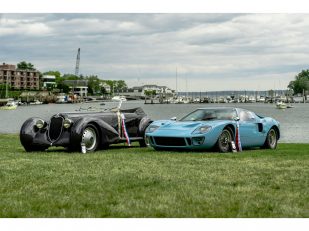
224	141
90	138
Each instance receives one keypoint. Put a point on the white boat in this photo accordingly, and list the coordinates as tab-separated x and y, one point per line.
119	98
36	102
281	105
251	99
10	105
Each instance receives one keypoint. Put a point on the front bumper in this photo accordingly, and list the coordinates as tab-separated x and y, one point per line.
172	142
182	139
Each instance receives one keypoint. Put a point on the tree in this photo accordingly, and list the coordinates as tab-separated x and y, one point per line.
150	92
63	88
116	85
93	84
301	82
57	74
25	66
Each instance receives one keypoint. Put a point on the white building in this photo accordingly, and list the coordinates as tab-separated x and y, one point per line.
78	87
49	81
157	89
139	91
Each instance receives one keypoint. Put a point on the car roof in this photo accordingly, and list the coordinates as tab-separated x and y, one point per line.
217	108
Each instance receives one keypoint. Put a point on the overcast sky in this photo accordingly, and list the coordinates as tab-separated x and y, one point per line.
210	51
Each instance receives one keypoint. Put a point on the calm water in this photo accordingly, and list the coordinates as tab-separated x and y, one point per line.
294	122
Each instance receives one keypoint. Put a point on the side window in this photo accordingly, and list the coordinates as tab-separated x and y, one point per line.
246	116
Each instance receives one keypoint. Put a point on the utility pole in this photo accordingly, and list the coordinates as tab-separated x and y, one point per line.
77	62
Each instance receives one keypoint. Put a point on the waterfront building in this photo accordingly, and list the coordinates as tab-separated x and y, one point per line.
19	79
78	87
49	81
139	91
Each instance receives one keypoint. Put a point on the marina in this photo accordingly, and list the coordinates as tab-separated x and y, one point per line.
294	122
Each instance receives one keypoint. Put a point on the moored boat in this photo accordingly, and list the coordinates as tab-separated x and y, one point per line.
281	105
11	105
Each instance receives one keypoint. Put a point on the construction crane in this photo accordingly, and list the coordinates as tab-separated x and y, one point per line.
77	62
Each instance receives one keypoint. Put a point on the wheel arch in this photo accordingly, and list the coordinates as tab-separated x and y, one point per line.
275	127
232	127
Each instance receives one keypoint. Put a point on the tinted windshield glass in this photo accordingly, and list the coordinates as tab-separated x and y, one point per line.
211	114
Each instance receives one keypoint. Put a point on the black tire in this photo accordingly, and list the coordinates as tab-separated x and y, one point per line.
271	139
91	138
224	141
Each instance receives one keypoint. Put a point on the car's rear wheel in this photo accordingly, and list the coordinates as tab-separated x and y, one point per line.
90	138
271	139
224	140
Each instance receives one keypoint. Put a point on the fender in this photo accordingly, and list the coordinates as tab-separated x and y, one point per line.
30	135
108	133
144	123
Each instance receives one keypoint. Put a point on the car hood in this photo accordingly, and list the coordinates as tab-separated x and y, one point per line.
187	125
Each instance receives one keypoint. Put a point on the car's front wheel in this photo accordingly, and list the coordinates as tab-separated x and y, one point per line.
271	139
224	140
90	138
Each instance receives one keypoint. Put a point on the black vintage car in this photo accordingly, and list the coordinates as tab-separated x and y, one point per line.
86	130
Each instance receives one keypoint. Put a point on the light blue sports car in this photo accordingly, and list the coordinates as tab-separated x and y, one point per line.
207	128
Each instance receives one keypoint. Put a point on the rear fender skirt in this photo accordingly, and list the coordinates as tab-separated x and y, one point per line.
108	133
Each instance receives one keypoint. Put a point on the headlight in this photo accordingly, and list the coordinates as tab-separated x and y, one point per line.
152	128
40	124
202	129
67	123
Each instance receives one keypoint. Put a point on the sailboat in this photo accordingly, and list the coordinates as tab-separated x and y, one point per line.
11	104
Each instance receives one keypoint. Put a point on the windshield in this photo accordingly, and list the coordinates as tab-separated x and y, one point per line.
211	114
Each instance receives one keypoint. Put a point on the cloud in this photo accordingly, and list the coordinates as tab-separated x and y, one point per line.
232	50
10	27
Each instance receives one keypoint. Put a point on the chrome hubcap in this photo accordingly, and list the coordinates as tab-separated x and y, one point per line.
272	138
89	138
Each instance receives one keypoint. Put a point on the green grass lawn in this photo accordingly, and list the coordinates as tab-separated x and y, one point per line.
141	182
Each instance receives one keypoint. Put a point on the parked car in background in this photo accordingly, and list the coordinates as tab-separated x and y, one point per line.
207	128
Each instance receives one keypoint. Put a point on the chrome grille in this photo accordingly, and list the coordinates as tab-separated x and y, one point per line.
55	127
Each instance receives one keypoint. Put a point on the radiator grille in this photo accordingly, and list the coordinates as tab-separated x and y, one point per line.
170	141
55	127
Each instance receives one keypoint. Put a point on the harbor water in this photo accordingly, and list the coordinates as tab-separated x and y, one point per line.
294	121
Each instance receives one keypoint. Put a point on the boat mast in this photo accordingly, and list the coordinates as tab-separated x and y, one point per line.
176	81
6	87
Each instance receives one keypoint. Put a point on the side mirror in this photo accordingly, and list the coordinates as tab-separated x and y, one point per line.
173	118
236	118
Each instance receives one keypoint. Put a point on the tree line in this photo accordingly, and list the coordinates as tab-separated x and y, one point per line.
96	86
